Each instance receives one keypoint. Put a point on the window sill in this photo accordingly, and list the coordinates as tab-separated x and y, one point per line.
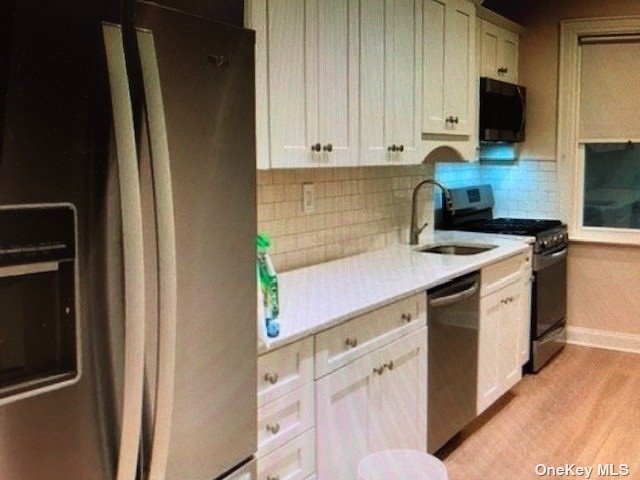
621	238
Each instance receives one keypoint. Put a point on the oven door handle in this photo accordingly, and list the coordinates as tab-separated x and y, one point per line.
133	253
545	260
454	298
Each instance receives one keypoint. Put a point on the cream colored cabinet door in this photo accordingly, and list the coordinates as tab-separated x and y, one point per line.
286	101
401	400
525	323
509	55
500	342
460	76
434	77
390	90
345	409
333	72
489	356
499	53
306	82
510	336
449	67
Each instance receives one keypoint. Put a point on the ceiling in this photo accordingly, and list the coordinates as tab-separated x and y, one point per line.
507	8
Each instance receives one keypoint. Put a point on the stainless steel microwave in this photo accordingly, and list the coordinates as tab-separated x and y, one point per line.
39	347
502	111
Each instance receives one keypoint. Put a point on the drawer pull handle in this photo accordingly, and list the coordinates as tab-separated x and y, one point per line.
272	378
407	317
275	428
351	342
391	365
274	477
379	370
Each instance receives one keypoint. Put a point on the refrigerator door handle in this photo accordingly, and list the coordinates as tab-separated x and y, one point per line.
133	253
166	241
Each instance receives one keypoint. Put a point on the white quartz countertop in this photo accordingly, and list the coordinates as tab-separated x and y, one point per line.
315	298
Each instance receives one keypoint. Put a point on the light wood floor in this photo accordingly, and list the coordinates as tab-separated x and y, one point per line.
583	408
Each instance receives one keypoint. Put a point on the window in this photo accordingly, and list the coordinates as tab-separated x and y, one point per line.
611	194
599	129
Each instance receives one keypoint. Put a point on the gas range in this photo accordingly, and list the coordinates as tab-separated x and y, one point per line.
549	234
471	210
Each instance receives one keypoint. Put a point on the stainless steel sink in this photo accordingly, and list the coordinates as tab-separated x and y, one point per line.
456	249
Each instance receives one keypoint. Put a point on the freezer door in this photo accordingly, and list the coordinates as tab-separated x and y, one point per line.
59	146
197	77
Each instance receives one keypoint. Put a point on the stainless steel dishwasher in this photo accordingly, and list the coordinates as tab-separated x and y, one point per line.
453	313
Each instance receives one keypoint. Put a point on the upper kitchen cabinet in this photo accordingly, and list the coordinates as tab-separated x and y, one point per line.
390	83
449	78
306	82
498	52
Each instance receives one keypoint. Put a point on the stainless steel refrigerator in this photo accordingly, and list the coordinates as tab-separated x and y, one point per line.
138	122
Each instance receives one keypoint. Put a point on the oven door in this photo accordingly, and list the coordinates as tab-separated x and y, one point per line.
37	328
550	291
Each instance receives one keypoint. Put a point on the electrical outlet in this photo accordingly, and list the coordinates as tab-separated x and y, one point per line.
308	197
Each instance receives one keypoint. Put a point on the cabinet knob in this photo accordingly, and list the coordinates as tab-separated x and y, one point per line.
407	317
275	428
391	365
452	119
316	147
351	342
456	120
272	378
328	148
379	370
401	148
392	148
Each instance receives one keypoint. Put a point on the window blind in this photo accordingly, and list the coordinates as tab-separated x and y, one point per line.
610	88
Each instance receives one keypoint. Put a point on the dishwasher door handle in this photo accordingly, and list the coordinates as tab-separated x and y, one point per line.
454	298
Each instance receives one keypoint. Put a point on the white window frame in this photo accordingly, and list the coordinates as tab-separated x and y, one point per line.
570	147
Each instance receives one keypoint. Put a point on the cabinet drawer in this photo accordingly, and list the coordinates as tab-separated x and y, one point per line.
342	344
496	276
285	418
283	370
294	461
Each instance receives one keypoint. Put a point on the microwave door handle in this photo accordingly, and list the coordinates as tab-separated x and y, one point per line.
133	253
523	106
167	265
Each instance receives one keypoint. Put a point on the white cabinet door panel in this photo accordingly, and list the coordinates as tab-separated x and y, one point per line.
401	421
459	71
510	336
376	76
407	91
434	79
488	350
345	410
490	46
291	35
337	78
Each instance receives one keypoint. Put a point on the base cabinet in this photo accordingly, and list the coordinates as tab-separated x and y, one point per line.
379	399
500	342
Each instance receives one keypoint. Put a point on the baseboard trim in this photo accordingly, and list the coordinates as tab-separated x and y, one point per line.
589	337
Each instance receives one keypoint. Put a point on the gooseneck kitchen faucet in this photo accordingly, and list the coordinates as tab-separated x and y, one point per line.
415	230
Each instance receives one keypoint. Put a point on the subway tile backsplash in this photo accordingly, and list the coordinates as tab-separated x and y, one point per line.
357	210
367	208
522	189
